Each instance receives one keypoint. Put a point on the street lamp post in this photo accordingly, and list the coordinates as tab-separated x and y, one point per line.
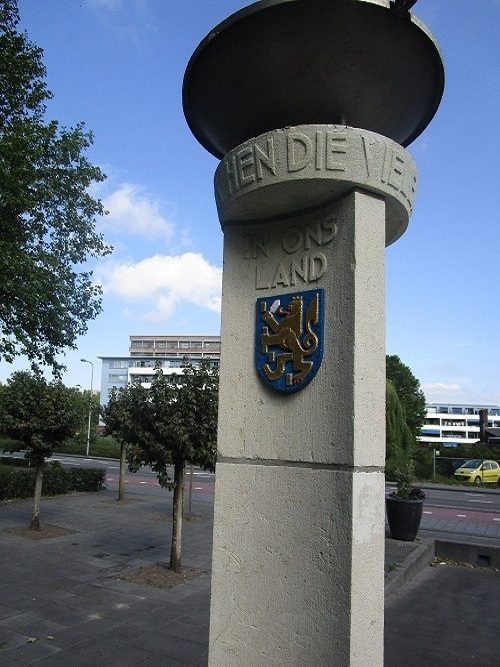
86	361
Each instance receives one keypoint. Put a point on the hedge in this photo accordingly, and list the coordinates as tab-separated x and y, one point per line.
16	461
56	480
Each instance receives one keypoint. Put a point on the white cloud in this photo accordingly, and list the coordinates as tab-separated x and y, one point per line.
133	211
440	392
162	282
131	20
111	5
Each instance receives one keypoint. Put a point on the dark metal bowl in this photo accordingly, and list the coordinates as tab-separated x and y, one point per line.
279	63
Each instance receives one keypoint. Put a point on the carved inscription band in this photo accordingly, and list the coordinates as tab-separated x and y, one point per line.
296	169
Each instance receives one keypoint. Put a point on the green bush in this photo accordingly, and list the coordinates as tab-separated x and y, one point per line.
423	464
391	465
16	461
102	446
475	452
15	484
6	444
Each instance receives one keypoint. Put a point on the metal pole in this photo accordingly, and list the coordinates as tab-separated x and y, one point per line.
86	361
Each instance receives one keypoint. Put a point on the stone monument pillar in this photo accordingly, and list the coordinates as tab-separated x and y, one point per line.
307	199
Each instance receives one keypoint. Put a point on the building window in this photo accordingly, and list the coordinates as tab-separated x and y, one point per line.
118	363
120	379
453	422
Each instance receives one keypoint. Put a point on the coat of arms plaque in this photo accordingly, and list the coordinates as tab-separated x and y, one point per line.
289	339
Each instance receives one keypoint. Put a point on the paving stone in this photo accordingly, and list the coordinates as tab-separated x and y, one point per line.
98	620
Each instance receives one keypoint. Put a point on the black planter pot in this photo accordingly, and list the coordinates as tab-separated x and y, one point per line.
404	517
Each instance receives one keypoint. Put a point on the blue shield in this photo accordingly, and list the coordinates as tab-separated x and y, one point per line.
289	334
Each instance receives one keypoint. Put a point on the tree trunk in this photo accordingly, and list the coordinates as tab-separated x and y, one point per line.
35	517
121	476
175	551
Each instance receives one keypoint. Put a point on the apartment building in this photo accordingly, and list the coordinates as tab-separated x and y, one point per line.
452	424
147	352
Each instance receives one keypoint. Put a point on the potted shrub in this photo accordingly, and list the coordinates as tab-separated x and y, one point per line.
404	506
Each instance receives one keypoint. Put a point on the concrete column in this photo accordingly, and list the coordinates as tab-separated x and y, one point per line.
298	555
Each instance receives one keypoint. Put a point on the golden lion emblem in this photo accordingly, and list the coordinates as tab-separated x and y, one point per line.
288	330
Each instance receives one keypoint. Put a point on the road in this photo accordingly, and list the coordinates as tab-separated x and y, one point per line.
463	506
454	504
144	481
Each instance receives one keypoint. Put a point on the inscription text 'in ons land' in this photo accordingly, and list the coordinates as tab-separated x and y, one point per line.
301	260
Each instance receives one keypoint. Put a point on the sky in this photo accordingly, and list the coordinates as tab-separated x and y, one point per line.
118	65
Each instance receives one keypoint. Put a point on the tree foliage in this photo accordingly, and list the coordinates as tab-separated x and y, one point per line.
410	395
38	416
47	215
399	440
173	423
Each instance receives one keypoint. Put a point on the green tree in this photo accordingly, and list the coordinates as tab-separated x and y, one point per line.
407	387
47	215
126	415
399	440
173	423
38	416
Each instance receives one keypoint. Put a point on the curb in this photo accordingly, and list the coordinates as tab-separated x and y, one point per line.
451	487
477	555
412	565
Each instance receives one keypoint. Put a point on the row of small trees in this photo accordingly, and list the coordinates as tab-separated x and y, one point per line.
167	426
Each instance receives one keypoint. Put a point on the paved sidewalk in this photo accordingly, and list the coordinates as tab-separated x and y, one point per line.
62	602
